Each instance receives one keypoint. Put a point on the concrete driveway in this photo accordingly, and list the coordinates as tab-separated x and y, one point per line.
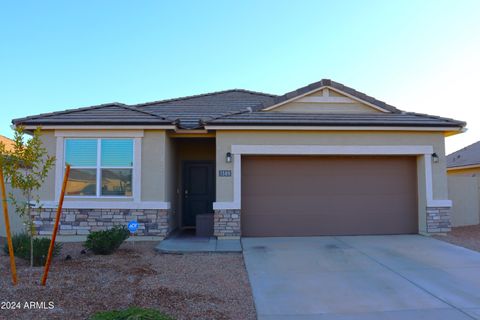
362	277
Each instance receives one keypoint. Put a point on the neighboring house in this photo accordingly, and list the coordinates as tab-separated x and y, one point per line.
324	159
463	169
16	224
7	142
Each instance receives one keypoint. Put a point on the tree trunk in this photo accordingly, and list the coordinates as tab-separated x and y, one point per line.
31	249
30	229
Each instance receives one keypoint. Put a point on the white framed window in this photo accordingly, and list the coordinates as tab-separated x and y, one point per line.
100	167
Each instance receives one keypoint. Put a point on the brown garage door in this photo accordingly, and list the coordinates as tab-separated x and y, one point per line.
306	196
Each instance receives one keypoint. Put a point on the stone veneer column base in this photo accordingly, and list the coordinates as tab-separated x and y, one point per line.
78	222
226	224
438	220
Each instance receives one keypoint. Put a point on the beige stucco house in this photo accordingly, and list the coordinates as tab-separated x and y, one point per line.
463	170
323	159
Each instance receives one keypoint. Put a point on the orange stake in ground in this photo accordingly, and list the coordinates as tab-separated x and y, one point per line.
7	228
55	228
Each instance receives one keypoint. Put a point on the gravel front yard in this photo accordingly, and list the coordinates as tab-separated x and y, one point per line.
191	286
468	237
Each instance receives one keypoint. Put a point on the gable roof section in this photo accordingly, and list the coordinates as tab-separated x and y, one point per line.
104	114
468	156
327	83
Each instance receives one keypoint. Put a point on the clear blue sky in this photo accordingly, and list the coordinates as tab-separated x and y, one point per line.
420	56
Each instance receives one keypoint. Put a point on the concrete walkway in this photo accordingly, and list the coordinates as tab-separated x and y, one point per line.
198	244
362	277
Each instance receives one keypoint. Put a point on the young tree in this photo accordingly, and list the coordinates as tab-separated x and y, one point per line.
26	167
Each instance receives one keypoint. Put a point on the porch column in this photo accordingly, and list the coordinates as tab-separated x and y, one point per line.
226	223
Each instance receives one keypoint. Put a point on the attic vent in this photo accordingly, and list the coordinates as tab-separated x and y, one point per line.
249	109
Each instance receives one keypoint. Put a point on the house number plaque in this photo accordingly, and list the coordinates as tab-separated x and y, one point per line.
224	173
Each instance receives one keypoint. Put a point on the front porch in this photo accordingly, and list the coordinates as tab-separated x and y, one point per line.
197	162
187	241
191	187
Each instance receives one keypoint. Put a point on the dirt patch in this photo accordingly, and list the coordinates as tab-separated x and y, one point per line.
468	237
190	286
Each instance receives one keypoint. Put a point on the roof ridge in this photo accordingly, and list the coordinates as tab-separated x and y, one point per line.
49	114
248	109
255	92
132	108
202	95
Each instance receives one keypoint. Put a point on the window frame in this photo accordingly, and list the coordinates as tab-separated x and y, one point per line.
99	167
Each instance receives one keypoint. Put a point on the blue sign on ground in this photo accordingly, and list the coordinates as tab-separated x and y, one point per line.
133	226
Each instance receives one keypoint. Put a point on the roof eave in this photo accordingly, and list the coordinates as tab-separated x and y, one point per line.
463	167
456	127
100	126
331	127
96	122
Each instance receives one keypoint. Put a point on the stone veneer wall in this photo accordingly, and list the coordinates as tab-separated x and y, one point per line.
438	219
151	222
226	223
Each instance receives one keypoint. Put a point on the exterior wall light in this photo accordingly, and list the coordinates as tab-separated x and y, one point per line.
435	157
228	157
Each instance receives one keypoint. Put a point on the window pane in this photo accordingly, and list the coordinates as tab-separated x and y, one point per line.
81	152
117	152
117	182
82	182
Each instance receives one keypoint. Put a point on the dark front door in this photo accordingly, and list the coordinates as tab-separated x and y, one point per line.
198	190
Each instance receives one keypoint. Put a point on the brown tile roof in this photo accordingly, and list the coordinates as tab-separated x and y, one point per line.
235	106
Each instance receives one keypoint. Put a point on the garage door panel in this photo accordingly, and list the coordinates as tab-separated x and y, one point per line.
333	202
328	187
313	185
301	196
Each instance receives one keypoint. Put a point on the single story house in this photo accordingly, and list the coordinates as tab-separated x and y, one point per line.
463	170
324	159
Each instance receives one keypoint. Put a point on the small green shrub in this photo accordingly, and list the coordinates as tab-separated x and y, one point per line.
21	248
106	241
133	313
